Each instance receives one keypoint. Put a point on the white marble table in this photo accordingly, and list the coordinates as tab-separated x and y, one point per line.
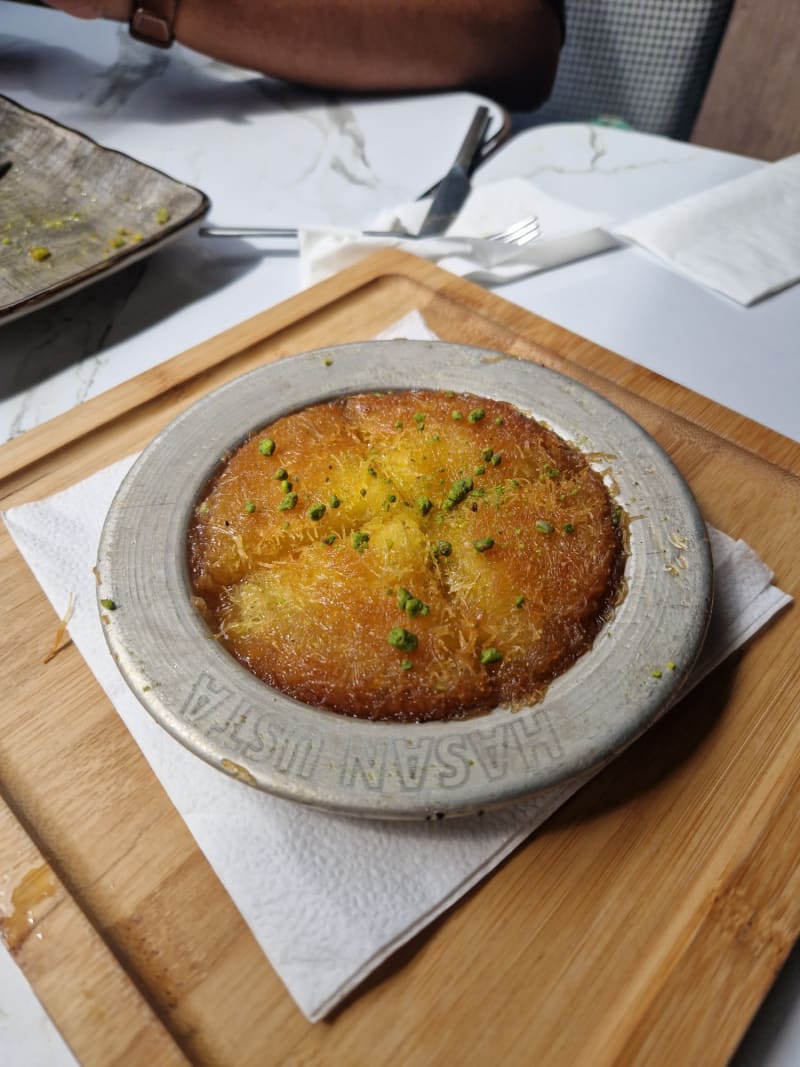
268	154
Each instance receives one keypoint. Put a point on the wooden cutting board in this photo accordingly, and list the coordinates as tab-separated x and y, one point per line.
642	924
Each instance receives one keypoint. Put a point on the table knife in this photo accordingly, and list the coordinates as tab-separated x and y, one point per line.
454	187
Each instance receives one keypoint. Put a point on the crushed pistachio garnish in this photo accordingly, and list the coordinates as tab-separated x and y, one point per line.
616	516
316	511
414	606
568	527
456	415
289	501
411	604
519	601
163	215
442	548
476	415
249	506
487	454
40	253
456	493
334	501
329	539
281	474
491	655
327	363
402	639
108	604
266	447
483	544
424	505
359	540
480	469
543	526
670	665
656	673
286	485
497	459
406	664
398	426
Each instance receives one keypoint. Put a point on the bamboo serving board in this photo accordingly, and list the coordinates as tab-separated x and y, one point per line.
642	924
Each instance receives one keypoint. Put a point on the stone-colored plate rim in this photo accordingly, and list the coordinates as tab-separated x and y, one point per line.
195	205
635	671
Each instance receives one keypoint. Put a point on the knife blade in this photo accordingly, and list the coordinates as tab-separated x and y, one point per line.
455	186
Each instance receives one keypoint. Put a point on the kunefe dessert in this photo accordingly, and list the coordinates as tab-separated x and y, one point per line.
407	556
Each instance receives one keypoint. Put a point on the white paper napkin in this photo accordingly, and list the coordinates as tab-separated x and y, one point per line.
328	898
568	233
740	238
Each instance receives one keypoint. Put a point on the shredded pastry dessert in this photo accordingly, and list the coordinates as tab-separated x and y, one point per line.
408	556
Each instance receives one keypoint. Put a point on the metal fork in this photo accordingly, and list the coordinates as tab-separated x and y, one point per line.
520	233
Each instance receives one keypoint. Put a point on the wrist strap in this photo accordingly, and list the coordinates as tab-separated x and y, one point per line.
154	22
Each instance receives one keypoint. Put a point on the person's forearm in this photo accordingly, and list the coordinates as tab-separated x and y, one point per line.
508	48
365	44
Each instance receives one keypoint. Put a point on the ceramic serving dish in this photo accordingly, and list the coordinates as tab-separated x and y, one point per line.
72	212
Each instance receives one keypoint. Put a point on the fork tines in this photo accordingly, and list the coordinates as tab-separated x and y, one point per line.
519	233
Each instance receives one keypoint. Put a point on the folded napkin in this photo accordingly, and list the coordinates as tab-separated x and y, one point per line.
299	877
568	233
740	238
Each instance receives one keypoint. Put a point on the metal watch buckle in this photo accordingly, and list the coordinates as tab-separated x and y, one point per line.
151	28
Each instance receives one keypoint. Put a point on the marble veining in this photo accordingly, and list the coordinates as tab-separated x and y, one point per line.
345	123
126	76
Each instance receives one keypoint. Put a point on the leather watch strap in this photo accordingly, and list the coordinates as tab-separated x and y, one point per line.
153	22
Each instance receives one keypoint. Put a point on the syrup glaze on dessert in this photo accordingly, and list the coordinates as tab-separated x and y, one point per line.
407	556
